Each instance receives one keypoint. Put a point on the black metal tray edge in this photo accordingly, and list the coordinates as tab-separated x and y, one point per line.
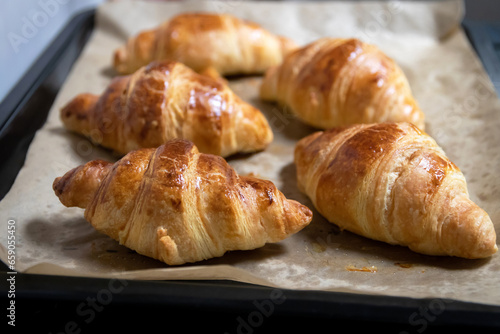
236	304
228	306
25	108
485	39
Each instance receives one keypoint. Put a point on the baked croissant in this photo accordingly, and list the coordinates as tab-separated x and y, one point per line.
205	40
337	82
166	100
393	183
177	205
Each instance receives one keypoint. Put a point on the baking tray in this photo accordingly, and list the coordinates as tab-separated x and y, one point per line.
59	303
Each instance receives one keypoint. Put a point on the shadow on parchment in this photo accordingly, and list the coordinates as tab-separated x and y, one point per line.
110	72
83	147
75	240
282	120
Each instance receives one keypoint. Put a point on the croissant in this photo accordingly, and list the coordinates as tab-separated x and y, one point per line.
391	182
337	82
205	40
177	205
166	100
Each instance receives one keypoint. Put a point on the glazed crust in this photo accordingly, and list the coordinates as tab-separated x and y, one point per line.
177	205
167	100
392	182
205	40
337	82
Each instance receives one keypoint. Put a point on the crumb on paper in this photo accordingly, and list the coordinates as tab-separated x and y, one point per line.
318	248
404	265
371	269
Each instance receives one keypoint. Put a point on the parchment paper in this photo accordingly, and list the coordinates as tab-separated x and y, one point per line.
447	79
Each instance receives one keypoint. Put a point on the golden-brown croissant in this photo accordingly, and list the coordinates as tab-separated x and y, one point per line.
205	40
337	82
166	100
393	183
177	205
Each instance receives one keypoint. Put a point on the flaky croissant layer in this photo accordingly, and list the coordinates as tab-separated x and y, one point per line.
166	100
337	82
177	205
222	42
393	183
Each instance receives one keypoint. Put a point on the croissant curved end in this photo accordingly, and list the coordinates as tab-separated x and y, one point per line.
76	114
481	244
299	216
120	60
78	186
252	131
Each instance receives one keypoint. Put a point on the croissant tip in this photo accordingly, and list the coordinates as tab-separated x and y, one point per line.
79	107
56	186
488	248
307	214
119	59
480	239
60	186
300	216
